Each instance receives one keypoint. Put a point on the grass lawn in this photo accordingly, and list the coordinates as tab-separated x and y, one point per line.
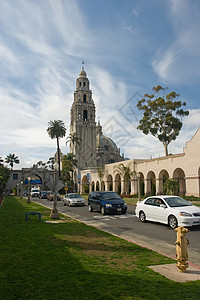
71	260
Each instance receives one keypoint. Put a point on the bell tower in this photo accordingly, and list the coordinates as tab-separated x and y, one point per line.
83	124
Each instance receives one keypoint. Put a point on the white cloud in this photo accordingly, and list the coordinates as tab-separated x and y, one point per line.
180	62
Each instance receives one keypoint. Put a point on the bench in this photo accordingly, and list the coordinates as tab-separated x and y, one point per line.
33	213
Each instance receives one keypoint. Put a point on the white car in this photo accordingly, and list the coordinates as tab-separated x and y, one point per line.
171	210
73	199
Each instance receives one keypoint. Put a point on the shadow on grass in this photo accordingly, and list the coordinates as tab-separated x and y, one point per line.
75	261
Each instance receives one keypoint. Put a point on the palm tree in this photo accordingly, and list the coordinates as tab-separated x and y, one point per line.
126	173
57	130
171	186
11	159
73	138
101	172
69	162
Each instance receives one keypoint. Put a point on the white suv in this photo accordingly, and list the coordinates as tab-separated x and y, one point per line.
35	193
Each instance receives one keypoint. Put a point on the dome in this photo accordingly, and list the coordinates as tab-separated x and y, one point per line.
107	143
82	73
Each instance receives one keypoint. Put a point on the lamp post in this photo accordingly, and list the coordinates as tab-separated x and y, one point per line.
54	213
139	192
29	188
17	189
21	189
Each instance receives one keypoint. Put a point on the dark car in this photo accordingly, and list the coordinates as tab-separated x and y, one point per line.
106	202
43	194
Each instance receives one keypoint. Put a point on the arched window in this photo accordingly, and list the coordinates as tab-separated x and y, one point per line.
84	98
84	84
79	84
85	115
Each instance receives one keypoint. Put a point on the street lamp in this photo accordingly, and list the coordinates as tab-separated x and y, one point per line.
54	213
17	189
139	192
29	188
21	189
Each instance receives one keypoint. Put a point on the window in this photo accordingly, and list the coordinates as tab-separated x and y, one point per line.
84	84
79	84
15	176
84	98
85	115
79	116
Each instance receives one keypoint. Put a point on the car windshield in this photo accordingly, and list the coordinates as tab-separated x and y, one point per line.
110	196
177	202
74	196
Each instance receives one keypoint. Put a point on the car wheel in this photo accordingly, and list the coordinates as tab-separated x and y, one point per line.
173	223
142	216
64	203
69	203
103	210
90	208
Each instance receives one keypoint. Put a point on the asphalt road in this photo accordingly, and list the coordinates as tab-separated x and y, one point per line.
155	236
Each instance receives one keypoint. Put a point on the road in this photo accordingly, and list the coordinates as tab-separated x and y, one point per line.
157	237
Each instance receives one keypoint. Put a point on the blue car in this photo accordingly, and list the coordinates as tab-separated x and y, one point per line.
106	202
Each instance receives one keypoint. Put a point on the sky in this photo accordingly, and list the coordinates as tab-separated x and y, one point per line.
128	46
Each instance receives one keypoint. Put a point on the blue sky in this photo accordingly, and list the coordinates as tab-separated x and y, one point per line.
128	47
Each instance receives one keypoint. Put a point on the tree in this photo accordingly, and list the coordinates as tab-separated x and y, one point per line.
73	138
11	159
69	162
162	115
101	172
4	176
51	162
171	186
57	130
126	174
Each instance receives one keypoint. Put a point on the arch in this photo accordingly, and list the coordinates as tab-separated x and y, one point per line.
118	183
102	186
151	183
163	176
85	185
85	115
179	174
142	184
97	186
92	185
110	182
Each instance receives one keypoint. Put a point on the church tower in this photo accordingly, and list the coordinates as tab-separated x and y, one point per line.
83	124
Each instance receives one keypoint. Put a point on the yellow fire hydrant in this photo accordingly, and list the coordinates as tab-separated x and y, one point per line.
181	249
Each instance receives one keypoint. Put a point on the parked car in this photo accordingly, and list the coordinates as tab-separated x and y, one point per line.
106	202
171	210
43	194
35	193
73	199
50	196
25	192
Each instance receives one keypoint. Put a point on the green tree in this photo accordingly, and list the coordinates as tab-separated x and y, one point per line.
11	159
171	186
4	176
69	162
162	115
57	130
73	138
126	174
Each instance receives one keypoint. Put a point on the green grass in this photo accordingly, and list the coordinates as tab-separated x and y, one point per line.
70	260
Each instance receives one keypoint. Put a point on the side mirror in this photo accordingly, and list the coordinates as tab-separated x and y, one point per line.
163	205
